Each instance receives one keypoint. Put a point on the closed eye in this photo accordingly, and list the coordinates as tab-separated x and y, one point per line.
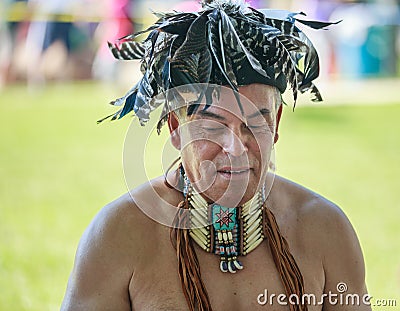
213	129
257	126
260	128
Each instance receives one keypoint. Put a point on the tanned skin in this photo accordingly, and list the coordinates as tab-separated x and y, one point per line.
125	260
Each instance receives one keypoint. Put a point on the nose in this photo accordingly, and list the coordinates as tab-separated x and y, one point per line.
234	143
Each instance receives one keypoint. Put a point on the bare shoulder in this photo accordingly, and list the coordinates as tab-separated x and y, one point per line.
311	209
121	220
325	230
110	248
128	218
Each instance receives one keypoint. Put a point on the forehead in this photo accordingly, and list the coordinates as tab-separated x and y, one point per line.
253	98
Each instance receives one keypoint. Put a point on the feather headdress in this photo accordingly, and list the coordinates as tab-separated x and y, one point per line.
220	44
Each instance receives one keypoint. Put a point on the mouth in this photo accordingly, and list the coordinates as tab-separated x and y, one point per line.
234	172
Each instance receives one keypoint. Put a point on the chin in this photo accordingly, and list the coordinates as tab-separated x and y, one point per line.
235	194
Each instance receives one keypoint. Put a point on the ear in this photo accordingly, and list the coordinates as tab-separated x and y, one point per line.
173	125
278	119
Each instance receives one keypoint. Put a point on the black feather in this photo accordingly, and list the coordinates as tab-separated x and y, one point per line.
317	24
127	50
129	105
185	63
221	42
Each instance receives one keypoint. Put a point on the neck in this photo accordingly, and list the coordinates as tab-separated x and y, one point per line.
204	201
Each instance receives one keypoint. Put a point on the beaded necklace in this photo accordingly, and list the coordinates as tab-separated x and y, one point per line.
225	231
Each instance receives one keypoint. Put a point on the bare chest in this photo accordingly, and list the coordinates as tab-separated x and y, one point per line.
156	285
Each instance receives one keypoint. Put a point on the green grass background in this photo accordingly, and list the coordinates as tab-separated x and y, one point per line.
58	168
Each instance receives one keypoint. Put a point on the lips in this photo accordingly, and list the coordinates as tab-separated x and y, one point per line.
230	172
235	171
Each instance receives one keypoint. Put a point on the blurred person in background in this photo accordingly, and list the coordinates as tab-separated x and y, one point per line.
220	231
365	42
116	24
12	35
54	36
5	48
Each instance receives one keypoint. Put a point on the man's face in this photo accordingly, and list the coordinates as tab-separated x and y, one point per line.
225	153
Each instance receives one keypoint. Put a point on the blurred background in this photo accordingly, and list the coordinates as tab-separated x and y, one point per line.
58	167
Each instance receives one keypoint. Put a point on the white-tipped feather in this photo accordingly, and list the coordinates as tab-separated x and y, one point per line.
232	34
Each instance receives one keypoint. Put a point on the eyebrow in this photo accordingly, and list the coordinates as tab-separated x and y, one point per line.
205	113
262	111
209	114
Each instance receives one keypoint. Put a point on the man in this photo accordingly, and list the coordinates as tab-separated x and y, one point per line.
242	238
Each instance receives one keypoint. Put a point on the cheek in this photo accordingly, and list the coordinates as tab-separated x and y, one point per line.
208	150
203	149
196	153
261	144
261	151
